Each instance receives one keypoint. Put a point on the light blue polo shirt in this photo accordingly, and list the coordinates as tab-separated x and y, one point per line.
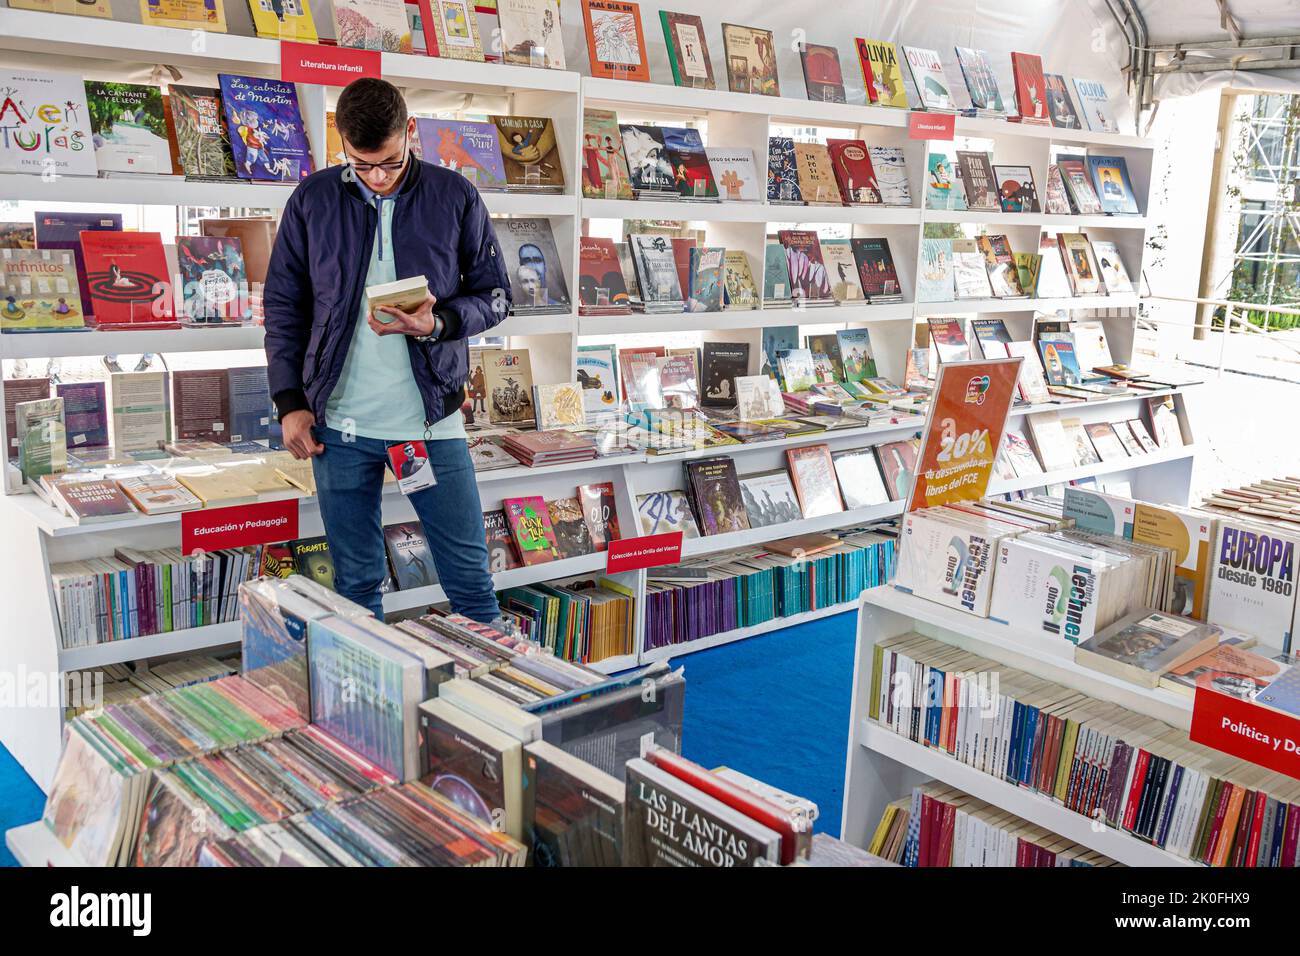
376	396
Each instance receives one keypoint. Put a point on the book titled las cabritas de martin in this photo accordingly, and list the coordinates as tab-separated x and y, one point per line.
126	273
266	130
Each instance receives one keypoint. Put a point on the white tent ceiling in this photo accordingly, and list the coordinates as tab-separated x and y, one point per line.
1189	22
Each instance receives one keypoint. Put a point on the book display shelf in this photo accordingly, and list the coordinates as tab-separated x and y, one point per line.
37	536
882	765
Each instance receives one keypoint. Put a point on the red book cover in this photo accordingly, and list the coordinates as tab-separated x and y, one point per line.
1031	87
557	441
1135	789
776	818
624	354
426	24
947	821
503	555
599	269
1046	857
1256	828
1022	852
682	259
854	173
599	513
926	848
952	717
126	273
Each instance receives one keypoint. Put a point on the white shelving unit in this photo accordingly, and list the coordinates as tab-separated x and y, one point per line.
37	537
882	766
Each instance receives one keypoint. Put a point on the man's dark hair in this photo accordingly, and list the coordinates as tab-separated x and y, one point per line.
370	111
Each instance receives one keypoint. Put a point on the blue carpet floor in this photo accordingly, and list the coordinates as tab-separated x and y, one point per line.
775	707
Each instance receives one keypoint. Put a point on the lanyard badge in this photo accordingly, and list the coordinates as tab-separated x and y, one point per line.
410	463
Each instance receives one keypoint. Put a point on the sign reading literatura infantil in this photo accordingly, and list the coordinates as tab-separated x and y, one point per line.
326	65
968	413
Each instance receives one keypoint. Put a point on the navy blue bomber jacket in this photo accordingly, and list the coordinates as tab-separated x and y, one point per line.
316	278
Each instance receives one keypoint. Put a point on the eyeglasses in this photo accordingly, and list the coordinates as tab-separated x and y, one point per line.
393	167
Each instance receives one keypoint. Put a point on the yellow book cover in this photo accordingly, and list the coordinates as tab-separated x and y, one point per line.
218	490
1228	829
333	142
1188	533
877	661
80	8
816	175
1067	759
283	20
299	474
886	81
263	478
185	14
882	830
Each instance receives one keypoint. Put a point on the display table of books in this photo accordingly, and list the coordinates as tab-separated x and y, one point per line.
439	742
1046	658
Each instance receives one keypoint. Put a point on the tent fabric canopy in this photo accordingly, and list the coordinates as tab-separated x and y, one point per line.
1198	21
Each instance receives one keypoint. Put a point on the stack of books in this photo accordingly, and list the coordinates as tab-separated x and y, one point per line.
549	448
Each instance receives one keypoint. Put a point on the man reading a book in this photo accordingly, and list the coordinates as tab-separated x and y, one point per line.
349	381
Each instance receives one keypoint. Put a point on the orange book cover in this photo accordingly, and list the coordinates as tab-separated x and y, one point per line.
615	44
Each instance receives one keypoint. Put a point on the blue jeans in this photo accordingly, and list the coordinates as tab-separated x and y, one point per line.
349	484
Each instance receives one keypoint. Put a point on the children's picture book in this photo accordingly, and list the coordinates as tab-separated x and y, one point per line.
46	124
214	283
267	137
688	50
373	25
463	146
39	290
615	44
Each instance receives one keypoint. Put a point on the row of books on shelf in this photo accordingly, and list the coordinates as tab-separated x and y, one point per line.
815	483
1113	765
530	35
664	274
1218	575
71	271
93	688
1078	184
1066	265
718	594
938	825
74	271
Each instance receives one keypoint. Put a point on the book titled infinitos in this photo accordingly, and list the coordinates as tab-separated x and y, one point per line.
530	523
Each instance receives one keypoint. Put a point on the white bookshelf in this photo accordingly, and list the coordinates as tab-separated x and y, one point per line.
37	537
882	766
34	844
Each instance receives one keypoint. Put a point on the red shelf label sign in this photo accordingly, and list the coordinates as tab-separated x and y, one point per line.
326	65
1262	736
266	522
650	551
931	125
